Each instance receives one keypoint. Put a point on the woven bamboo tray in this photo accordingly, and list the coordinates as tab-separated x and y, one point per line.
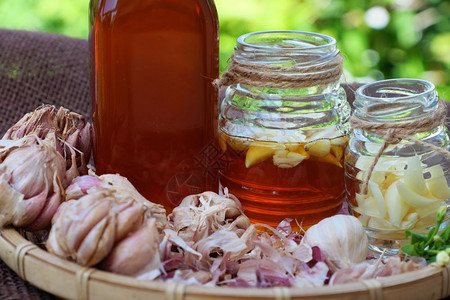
71	281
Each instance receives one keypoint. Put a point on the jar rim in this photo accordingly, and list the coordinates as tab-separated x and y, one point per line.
394	84
329	41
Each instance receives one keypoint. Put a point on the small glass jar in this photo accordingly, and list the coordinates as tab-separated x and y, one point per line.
284	136
410	181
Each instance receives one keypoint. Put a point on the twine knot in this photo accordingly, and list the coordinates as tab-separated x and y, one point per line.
394	133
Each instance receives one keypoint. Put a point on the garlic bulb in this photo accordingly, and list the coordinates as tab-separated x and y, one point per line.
71	129
32	179
342	240
122	189
86	229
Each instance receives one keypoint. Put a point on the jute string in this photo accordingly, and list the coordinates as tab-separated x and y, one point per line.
175	291
19	258
375	289
394	133
282	293
272	76
82	282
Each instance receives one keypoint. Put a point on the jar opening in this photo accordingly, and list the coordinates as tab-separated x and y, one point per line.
395	100
395	89
285	40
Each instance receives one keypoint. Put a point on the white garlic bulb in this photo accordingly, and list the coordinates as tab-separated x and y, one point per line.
341	239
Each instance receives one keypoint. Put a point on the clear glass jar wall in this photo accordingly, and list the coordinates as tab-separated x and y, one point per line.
410	181
284	143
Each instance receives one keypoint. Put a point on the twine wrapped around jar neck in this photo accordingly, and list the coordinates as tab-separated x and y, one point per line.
273	76
393	133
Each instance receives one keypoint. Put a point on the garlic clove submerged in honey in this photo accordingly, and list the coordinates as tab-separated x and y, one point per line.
318	148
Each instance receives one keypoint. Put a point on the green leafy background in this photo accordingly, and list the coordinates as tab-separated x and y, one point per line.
413	42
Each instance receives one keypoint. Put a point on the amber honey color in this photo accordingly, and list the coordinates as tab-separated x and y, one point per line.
154	105
275	181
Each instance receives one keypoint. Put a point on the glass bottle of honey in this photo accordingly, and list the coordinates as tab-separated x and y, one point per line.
153	102
283	126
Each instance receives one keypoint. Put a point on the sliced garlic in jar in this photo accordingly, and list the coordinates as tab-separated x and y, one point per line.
318	148
338	152
414	177
437	183
260	151
411	197
378	195
396	207
339	141
287	159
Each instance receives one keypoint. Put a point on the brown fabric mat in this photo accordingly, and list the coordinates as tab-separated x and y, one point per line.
37	68
12	287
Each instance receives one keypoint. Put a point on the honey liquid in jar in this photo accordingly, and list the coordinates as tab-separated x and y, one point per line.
284	146
282	180
154	106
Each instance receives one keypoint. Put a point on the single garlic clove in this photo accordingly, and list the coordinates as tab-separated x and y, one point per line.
370	207
292	147
409	221
49	210
286	159
437	183
318	148
380	202
411	197
129	219
413	176
339	141
259	152
338	152
396	207
135	252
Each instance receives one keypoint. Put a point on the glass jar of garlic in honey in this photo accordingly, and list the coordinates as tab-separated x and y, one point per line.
396	167
283	127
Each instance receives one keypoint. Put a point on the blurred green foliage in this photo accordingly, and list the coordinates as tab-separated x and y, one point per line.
379	38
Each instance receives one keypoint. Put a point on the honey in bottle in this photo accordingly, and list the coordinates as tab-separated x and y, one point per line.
153	102
283	126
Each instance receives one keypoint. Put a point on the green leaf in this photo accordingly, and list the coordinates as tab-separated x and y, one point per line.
416	237
410	250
